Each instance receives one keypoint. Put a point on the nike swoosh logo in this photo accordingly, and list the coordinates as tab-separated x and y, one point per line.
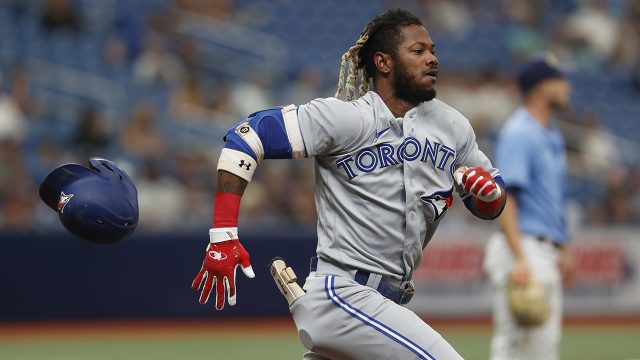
381	132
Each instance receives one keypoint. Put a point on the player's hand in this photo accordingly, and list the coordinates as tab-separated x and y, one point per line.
219	267
567	266
520	274
477	182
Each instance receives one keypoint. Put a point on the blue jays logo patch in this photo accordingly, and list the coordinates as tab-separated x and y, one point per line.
64	200
440	201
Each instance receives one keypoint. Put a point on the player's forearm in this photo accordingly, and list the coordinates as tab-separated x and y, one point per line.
509	224
227	206
231	183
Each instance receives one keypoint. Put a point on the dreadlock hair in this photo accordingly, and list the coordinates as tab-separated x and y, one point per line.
382	34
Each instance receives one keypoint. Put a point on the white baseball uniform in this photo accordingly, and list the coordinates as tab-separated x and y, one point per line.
382	185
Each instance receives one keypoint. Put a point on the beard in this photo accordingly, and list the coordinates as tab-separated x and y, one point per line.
559	105
407	90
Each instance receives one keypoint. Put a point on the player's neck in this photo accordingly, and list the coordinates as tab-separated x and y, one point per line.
397	106
540	111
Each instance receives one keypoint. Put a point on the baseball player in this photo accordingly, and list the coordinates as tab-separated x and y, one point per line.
385	164
531	156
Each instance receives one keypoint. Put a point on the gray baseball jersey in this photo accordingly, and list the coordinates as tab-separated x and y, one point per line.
383	183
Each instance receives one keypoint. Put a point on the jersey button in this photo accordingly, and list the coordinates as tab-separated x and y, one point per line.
412	217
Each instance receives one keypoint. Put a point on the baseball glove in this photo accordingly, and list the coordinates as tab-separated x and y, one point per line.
528	303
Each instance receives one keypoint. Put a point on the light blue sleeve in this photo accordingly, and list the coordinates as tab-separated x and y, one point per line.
515	152
329	126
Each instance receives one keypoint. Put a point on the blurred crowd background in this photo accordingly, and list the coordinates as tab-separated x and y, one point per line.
154	84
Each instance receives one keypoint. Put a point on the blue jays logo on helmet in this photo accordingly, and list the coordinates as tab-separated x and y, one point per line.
64	199
98	204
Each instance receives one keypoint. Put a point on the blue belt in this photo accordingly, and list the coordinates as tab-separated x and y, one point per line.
390	291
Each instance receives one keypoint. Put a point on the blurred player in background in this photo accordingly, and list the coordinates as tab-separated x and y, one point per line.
533	243
385	164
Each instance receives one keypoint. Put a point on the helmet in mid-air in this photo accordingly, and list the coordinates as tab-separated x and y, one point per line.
98	204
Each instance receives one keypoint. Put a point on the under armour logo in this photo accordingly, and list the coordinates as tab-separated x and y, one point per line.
217	255
245	165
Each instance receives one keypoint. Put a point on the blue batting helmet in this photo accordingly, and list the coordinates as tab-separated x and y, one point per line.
98	204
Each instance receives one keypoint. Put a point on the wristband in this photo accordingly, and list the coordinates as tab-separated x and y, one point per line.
226	209
217	235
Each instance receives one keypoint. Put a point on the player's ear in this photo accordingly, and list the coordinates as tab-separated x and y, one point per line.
383	62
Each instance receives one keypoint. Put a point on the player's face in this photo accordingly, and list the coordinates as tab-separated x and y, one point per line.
558	93
416	66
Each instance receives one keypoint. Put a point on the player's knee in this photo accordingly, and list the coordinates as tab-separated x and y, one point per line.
305	339
312	331
304	321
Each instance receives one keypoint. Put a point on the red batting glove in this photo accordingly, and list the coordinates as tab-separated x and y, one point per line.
479	183
219	266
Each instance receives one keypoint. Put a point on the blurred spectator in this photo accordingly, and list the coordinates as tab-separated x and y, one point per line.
635	197
527	13
17	198
18	209
453	17
16	106
189	54
485	99
91	137
525	37
615	207
48	156
599	149
161	199
200	206
141	137
456	89
217	9
251	96
221	104
629	42
196	172
591	148
156	65
60	15
635	74
493	100
302	201
116	54
277	183
187	102
593	27
306	87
